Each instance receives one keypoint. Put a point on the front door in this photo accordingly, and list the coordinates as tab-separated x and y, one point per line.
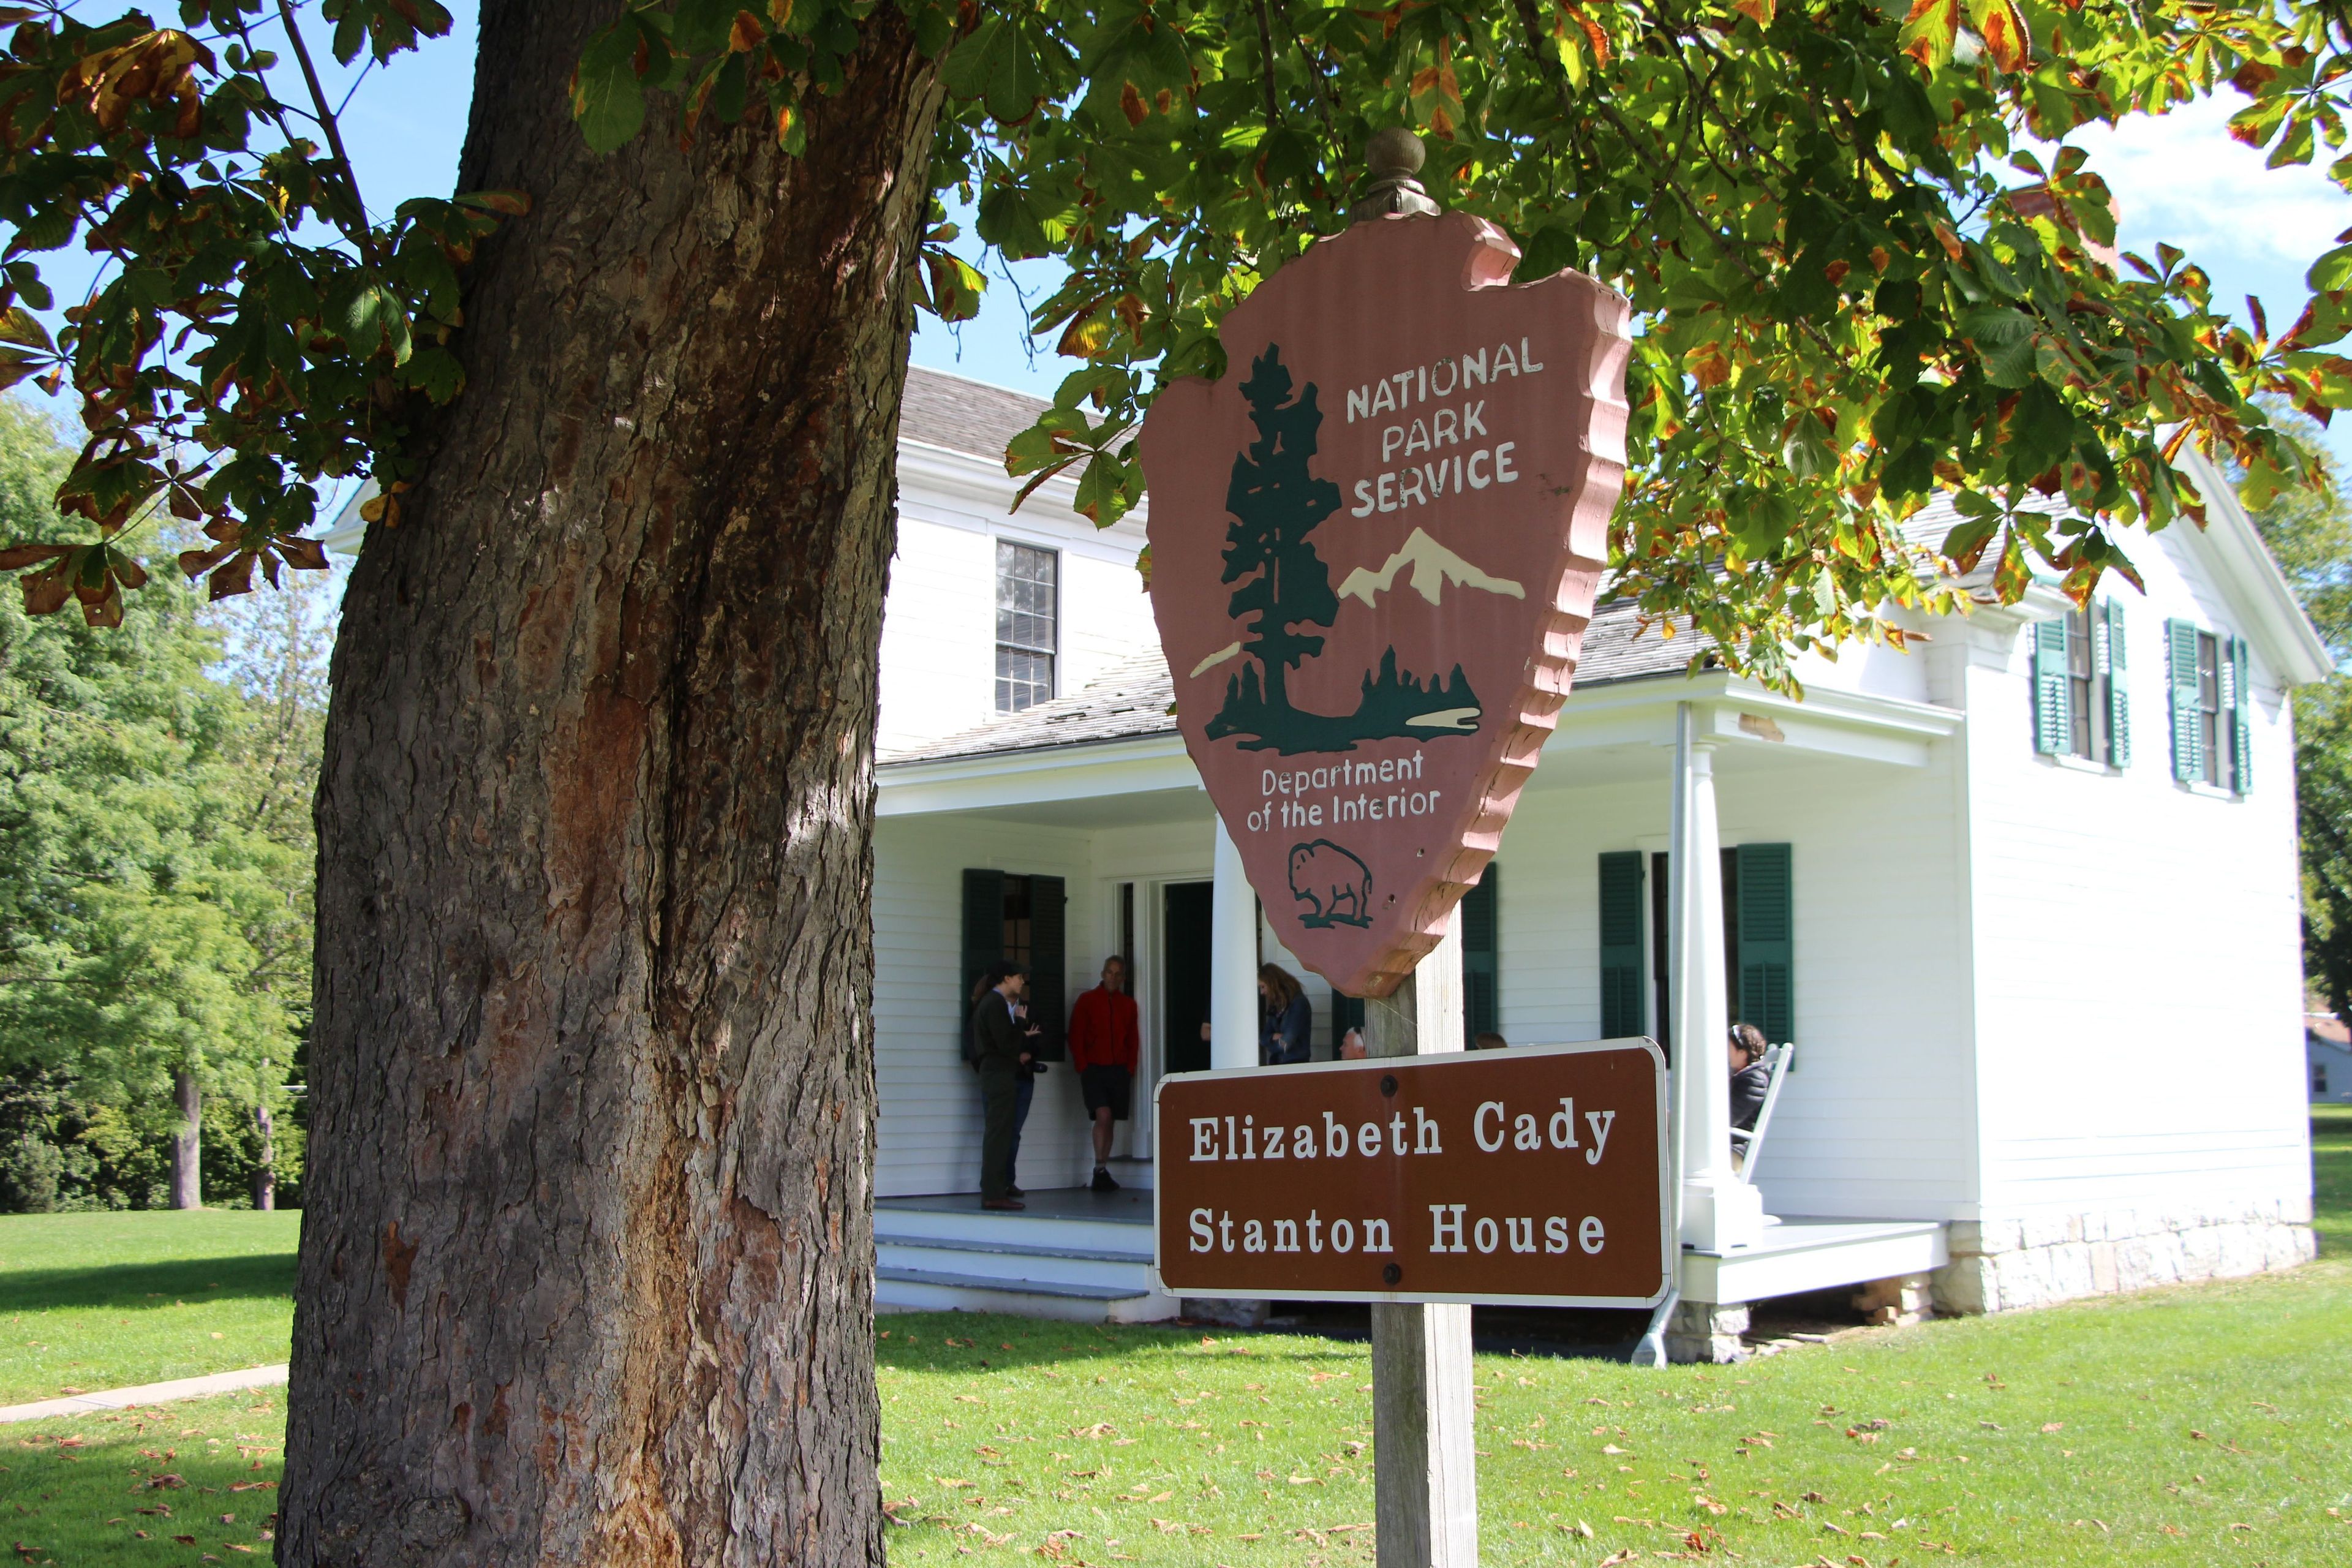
1188	911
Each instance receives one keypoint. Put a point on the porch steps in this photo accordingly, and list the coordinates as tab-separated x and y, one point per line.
1071	1257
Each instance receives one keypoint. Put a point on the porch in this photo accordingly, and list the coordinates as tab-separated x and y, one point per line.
1866	1167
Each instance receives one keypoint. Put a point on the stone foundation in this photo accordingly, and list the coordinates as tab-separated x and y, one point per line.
1230	1314
1705	1332
1905	1298
2006	1265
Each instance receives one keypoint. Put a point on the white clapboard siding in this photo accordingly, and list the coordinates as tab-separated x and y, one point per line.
930	1137
1872	1124
939	626
2139	987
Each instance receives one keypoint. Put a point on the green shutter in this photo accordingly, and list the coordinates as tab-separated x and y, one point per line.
2111	618
2053	719
2188	740
1482	997
1048	965
983	941
1621	944
2236	700
1767	944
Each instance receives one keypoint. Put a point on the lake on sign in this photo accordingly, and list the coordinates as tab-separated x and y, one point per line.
1535	1175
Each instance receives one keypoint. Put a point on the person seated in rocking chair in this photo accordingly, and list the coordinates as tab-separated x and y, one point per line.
1749	1079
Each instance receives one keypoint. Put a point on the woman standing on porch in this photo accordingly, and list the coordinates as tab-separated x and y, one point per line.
1286	1020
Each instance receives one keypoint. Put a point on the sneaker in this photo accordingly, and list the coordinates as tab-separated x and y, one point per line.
1102	1183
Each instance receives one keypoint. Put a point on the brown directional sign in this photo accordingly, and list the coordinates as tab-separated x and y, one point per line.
1375	544
1535	1175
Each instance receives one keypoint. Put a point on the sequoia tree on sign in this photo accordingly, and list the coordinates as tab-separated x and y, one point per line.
586	1276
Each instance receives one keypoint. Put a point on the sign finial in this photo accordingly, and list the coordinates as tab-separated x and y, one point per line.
1394	157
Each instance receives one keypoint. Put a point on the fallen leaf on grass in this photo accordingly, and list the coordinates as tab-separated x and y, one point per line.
2053	1425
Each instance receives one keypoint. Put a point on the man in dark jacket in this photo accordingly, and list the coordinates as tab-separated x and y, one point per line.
1000	1055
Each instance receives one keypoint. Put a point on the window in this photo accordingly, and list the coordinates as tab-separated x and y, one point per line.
1759	952
1027	611
2318	1078
1017	919
2210	707
2080	706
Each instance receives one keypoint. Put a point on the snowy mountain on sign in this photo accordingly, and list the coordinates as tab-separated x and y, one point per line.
1434	567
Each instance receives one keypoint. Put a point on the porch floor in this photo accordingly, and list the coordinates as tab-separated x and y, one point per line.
1798	1254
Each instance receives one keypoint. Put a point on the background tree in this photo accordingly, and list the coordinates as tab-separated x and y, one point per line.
2310	533
153	935
585	1271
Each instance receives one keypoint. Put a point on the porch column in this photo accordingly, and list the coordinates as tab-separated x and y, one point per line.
1232	962
1720	1211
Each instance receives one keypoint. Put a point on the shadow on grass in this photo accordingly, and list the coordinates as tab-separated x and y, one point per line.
122	1284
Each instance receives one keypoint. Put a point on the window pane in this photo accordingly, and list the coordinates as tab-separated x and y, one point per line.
1025	629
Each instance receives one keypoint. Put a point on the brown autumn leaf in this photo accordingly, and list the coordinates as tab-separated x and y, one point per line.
2004	34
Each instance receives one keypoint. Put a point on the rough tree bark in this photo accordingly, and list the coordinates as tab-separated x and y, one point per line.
587	1260
188	1141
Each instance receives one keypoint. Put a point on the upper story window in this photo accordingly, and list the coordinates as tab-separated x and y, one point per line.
2210	695
1028	612
2081	706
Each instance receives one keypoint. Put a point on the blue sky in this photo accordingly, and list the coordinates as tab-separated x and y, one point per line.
2179	179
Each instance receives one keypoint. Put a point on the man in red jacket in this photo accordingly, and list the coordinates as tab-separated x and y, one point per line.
1103	1045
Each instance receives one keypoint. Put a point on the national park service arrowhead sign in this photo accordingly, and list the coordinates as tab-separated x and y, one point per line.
1374	549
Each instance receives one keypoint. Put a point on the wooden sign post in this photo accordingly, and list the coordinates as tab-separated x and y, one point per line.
1419	1180
1424	1419
1375	546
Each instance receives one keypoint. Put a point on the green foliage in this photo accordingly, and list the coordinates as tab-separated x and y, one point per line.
2309	532
1853	290
154	862
255	328
1854	287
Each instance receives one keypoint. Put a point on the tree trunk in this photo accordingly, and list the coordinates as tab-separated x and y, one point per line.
265	1169
586	1266
187	1142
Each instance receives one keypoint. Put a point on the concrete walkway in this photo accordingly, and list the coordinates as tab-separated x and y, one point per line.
148	1394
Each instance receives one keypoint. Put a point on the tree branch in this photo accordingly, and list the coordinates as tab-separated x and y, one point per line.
326	117
1266	59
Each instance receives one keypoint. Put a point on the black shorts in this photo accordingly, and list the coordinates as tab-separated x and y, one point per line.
1106	1086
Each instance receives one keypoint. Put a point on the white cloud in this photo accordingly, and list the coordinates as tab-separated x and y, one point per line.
2179	177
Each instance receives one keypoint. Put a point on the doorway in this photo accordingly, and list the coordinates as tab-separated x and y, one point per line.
1188	914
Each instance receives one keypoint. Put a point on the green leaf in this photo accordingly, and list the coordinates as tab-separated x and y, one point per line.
19	325
2003	340
607	100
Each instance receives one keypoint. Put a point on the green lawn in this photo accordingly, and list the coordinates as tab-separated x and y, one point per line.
2211	1424
2331	1177
108	1301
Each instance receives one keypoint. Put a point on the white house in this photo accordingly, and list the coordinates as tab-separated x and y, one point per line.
2327	1052
2026	898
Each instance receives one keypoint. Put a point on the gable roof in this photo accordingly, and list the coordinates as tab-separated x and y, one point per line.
943	409
1134	697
